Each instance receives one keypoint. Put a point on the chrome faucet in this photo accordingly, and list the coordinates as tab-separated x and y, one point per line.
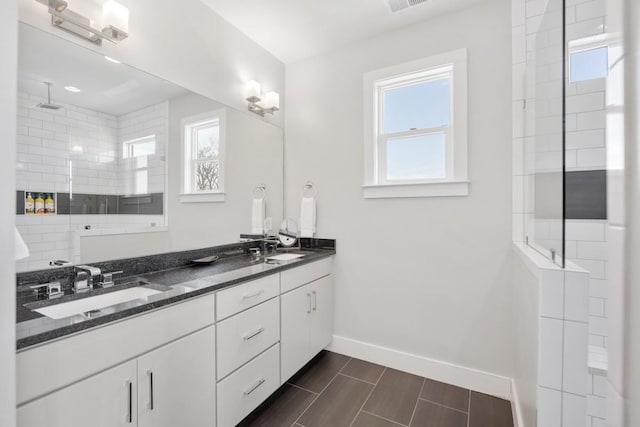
84	277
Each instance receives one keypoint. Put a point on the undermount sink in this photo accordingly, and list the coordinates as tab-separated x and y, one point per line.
284	257
84	305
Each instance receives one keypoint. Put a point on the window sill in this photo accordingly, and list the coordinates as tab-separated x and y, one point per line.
430	189
216	197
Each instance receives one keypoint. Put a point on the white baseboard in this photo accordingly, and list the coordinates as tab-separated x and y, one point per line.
516	409
449	373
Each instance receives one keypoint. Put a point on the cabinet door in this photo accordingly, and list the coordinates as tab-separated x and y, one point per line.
321	329
107	399
176	383
295	308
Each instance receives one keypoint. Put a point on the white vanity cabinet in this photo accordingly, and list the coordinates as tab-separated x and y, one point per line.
176	383
307	315
205	362
173	385
107	399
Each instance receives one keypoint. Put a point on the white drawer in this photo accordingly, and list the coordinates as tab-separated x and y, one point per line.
243	336
298	276
234	300
242	392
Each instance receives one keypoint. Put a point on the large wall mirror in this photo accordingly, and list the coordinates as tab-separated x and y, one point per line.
113	162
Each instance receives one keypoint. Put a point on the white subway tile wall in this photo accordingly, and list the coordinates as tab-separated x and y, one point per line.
535	68
53	145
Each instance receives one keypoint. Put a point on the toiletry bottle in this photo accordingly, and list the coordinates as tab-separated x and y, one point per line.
29	207
49	205
39	204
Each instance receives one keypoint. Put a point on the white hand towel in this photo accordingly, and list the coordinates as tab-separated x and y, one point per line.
20	248
307	216
258	209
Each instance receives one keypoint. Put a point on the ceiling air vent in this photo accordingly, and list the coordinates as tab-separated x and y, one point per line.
397	5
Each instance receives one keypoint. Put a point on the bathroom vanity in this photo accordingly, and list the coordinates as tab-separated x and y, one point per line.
205	352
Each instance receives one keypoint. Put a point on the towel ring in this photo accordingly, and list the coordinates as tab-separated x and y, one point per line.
260	192
308	190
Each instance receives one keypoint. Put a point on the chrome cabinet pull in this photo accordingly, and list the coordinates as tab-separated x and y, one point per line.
150	404
253	294
129	386
254	387
253	334
315	300
309	299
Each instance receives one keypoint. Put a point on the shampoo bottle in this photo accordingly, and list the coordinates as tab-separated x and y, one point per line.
49	205
29	207
39	204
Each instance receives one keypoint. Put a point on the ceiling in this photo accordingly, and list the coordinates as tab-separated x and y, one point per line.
110	88
296	29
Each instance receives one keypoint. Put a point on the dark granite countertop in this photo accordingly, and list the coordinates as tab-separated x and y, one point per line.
171	286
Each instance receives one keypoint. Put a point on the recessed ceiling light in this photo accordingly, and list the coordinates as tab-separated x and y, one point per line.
72	89
110	59
77	148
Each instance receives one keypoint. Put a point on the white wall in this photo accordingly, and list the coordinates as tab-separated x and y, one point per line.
188	44
8	88
425	276
254	152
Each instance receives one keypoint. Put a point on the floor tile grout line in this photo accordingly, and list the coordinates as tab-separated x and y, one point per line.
444	406
415	408
357	379
319	394
386	419
364	402
302	388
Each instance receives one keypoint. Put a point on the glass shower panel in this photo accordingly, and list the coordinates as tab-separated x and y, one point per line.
544	131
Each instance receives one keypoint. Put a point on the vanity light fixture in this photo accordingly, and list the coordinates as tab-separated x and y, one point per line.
258	103
114	16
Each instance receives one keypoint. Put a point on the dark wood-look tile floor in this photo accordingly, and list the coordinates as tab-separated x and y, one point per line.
338	391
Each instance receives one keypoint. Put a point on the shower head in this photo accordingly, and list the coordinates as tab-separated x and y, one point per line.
49	105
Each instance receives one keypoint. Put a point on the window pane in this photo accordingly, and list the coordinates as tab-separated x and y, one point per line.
589	64
416	157
420	105
143	149
207	175
207	138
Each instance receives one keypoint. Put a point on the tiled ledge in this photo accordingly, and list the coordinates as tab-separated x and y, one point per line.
598	361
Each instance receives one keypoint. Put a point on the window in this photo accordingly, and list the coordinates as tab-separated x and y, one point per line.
203	166
589	64
137	151
415	128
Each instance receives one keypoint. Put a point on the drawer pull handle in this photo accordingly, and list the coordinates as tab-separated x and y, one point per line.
150	405
309	299
253	334
255	386
315	300
129	386
253	294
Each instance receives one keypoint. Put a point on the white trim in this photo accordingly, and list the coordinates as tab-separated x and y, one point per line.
424	189
516	408
458	131
202	197
473	379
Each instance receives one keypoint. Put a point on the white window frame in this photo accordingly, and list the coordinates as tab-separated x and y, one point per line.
188	125
455	183
127	153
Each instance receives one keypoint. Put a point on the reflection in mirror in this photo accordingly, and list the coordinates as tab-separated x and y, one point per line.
96	142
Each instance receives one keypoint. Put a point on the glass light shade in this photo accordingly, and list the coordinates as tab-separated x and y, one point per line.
116	15
252	89
272	100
